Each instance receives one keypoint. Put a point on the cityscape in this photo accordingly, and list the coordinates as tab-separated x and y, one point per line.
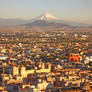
45	54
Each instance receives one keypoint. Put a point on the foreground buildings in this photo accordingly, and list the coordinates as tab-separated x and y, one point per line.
46	62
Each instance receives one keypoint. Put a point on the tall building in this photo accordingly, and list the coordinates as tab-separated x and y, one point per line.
15	70
22	71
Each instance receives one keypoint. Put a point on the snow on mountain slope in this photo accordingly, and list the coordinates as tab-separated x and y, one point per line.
46	16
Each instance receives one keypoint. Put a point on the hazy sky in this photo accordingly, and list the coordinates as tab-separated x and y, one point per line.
75	10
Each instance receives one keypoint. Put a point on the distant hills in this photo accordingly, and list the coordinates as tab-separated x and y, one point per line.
90	26
43	20
12	22
44	23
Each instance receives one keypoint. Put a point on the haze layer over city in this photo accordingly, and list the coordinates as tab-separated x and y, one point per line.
45	46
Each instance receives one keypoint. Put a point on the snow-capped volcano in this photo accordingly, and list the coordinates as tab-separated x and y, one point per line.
44	18
47	16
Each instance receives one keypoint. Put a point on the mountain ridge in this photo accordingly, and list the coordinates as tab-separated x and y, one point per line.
47	17
44	23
